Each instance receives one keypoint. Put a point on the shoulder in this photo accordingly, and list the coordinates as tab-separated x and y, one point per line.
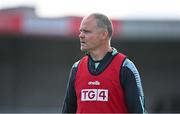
75	65
130	68
74	71
130	65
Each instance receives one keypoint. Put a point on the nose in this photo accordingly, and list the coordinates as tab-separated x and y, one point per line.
81	35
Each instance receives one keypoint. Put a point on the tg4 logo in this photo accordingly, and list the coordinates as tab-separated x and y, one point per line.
94	95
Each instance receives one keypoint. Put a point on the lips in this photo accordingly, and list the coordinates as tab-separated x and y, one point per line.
82	42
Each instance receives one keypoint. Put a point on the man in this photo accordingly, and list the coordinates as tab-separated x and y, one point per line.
103	81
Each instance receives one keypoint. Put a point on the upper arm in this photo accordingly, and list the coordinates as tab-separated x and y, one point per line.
131	83
69	105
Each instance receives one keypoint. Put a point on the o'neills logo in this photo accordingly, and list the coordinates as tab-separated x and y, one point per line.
94	83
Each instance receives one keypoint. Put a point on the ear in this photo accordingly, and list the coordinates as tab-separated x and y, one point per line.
104	35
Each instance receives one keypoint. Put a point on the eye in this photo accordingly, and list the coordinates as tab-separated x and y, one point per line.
85	31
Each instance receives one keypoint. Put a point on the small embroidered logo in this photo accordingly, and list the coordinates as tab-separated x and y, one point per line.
94	83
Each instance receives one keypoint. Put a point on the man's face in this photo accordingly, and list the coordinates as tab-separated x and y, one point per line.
90	35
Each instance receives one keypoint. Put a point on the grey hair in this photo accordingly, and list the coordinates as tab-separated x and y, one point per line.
104	22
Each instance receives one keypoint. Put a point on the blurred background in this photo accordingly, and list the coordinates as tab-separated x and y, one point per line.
39	44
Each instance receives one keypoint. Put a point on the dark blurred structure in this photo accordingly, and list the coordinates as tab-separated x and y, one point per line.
36	55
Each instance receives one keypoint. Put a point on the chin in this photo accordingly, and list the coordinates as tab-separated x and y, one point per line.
83	49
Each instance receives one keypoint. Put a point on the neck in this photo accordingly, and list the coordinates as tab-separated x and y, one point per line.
99	54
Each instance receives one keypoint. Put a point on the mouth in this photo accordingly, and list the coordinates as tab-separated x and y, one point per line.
82	42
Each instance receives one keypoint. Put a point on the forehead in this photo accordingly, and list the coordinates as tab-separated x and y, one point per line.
88	22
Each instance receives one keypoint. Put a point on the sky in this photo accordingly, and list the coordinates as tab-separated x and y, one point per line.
118	9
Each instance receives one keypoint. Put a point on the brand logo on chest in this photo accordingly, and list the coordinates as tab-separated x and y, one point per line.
93	83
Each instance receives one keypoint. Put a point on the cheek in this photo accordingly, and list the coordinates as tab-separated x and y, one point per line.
92	40
95	42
